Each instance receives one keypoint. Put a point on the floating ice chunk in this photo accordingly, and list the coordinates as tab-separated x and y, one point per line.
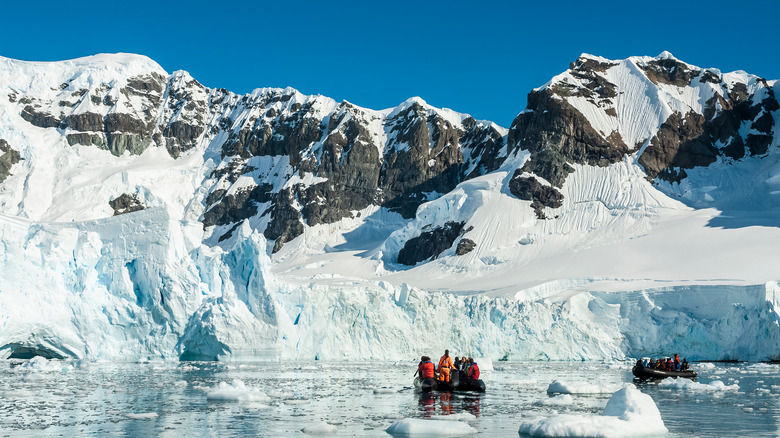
522	382
18	393
690	385
460	416
705	366
280	394
296	402
321	428
558	387
385	391
418	427
558	400
628	413
236	391
180	383
255	406
143	416
39	363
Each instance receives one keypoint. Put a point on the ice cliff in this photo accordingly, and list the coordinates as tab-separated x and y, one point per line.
141	286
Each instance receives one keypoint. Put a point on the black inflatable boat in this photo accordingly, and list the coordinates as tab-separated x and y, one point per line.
458	382
641	372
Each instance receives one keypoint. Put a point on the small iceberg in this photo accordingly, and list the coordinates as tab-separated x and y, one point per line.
429	428
628	413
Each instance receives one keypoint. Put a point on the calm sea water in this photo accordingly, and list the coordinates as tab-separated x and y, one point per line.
360	399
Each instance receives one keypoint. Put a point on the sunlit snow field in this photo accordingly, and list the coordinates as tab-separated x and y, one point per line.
57	398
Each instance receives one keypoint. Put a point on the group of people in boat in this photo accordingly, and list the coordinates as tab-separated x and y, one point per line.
666	364
428	370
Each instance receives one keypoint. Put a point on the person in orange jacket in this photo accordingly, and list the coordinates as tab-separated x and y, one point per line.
445	365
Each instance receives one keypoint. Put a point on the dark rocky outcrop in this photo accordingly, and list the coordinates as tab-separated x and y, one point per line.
285	224
424	158
481	144
234	208
126	203
90	122
8	158
40	119
670	71
693	140
679	143
430	243
285	134
465	246
556	134
529	189
181	136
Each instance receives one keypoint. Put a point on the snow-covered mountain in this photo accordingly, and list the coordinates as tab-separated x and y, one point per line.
633	207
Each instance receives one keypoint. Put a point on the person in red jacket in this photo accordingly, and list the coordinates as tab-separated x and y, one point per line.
473	372
426	368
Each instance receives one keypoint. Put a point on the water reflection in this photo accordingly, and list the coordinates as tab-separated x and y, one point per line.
447	403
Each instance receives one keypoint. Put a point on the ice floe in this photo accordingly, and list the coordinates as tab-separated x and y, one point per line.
428	428
628	413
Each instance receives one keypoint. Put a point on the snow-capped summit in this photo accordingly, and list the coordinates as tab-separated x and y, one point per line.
277	224
666	55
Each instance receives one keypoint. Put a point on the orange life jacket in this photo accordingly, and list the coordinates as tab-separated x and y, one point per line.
446	362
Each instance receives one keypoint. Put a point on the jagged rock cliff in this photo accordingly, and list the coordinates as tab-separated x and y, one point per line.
669	115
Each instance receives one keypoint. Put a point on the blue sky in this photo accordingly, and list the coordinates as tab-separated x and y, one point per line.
480	58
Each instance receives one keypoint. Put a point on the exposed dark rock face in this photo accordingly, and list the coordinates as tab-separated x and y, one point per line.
556	134
693	140
83	122
234	208
482	145
275	134
351	164
679	143
286	222
425	157
8	158
465	246
430	244
114	131
188	108
39	119
422	158
671	71
529	189
126	203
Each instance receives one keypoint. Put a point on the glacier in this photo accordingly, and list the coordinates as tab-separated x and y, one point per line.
141	286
